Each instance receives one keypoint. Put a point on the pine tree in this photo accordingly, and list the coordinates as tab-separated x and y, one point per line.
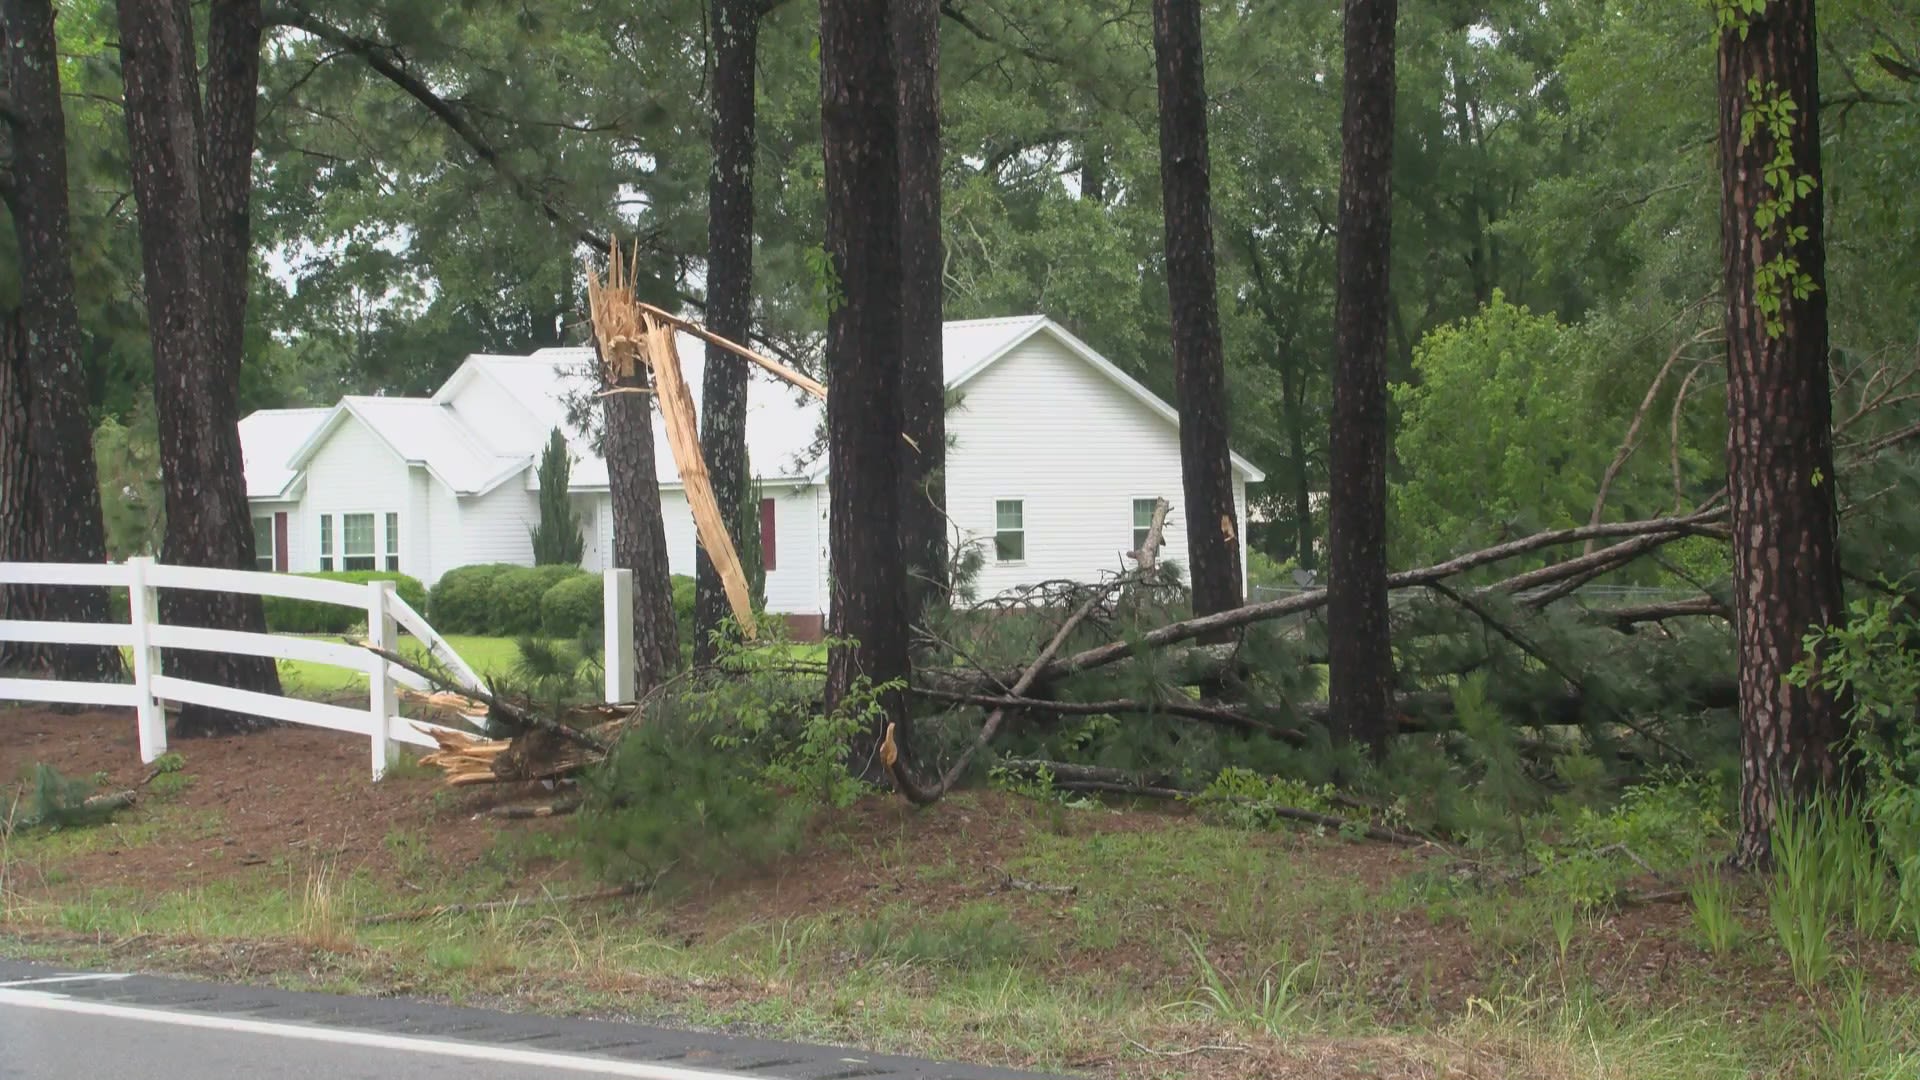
1786	562
192	179
858	129
923	400
723	420
61	478
1359	655
1199	364
556	540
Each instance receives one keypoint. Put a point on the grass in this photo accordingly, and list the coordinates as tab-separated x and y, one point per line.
300	678
1177	935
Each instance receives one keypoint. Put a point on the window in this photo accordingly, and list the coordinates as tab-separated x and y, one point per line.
767	545
263	543
1009	531
326	541
393	542
1142	521
356	542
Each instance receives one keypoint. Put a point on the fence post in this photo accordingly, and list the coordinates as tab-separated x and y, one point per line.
384	703
617	595
143	612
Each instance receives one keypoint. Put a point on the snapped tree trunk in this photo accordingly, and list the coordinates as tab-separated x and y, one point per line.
639	531
923	403
65	484
723	420
1779	412
1199	365
858	129
1360	660
191	179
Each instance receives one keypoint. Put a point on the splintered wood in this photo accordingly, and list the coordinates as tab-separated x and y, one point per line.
474	759
632	334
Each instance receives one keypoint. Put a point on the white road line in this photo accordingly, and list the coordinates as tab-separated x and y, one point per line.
36	999
100	977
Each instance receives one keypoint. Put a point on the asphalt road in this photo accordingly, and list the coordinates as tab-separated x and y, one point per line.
56	1025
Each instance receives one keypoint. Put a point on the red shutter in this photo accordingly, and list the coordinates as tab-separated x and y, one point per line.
767	545
280	542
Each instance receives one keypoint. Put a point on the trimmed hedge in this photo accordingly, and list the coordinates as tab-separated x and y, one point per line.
574	608
517	595
286	616
508	600
462	601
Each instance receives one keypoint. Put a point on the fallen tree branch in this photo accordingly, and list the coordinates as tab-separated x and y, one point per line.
506	710
527	813
927	796
1187	710
1646	535
439	910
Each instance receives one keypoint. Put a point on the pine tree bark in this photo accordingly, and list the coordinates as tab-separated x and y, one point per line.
1359	656
64	483
1779	427
1199	365
639	531
20	533
923	391
723	421
859	147
191	176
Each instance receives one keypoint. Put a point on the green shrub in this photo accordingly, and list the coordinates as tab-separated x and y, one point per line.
726	772
574	608
285	616
517	595
462	601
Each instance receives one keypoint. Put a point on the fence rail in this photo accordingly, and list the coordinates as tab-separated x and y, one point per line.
148	640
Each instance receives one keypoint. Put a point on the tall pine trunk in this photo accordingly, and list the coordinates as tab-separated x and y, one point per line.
1359	656
723	421
858	135
20	533
191	178
1199	365
1786	561
923	402
64	483
639	530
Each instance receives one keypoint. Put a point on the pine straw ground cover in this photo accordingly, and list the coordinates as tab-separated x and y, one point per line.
1107	940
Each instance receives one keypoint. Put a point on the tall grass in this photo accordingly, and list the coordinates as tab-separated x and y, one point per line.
1827	870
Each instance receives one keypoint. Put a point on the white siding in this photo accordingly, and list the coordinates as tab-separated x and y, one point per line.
442	533
799	537
1044	427
416	532
498	526
353	472
586	511
793	586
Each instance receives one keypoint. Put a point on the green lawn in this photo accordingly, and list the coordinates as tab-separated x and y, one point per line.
486	655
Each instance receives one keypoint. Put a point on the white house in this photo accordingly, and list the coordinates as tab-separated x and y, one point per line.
1056	459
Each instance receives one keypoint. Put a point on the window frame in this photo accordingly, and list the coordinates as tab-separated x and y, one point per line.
355	561
263	554
1140	530
1001	532
326	543
391	541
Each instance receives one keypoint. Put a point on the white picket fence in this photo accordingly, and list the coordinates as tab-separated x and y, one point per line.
149	639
